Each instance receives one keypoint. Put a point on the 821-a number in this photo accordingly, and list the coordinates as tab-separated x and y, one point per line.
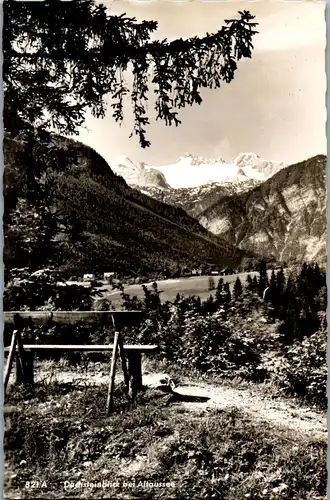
35	485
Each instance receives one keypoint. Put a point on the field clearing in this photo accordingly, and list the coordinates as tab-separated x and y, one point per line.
195	285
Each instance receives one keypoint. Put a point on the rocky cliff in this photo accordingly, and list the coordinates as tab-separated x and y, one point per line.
196	200
284	216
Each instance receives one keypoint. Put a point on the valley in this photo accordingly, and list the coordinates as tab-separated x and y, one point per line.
96	220
267	208
165	299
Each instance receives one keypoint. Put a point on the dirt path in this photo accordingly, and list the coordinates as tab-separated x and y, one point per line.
280	412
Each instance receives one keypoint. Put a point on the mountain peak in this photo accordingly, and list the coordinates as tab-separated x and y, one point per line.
256	167
123	160
246	159
139	174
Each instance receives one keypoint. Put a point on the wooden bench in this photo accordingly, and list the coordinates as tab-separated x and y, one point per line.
115	319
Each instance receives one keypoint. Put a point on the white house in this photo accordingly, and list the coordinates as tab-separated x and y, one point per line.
107	276
88	277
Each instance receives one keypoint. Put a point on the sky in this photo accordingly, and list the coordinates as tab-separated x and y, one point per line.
275	107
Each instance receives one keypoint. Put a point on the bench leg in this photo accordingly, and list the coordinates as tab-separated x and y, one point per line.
123	364
135	372
24	368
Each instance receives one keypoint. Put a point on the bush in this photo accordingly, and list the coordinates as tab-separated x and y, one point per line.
208	345
45	290
304	370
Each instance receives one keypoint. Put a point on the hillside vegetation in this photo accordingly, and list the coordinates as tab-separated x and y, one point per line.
281	340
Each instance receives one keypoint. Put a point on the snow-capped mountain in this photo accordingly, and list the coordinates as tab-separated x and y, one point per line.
195	183
191	171
284	216
138	175
257	168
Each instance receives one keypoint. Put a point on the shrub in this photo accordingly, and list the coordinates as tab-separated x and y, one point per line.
208	345
45	290
303	371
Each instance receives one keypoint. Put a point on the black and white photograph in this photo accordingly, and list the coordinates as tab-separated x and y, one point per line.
164	249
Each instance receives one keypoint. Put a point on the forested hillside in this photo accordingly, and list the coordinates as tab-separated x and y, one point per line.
77	214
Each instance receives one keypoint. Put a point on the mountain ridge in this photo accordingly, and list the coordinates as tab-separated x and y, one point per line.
193	171
285	216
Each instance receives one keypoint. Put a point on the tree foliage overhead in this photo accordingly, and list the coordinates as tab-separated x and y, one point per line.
63	58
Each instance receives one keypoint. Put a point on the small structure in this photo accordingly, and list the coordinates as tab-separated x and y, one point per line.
186	272
88	277
226	271
214	273
107	276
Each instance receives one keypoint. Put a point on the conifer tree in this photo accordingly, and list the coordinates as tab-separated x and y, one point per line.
272	291
227	296
219	292
280	279
249	283
64	58
263	278
238	289
255	285
319	277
